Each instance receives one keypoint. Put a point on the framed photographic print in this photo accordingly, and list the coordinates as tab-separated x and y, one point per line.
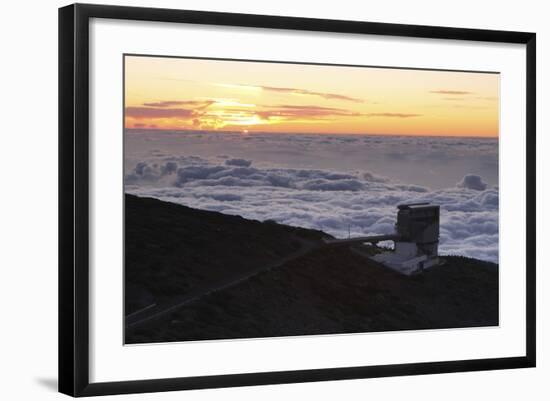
250	199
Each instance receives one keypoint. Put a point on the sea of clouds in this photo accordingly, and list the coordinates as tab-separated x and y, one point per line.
339	184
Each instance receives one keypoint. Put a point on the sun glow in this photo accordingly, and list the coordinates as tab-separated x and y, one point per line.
214	94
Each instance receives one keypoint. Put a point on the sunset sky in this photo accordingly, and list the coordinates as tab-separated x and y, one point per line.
192	94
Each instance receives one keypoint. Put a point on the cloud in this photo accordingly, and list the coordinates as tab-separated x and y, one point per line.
324	95
298	91
325	200
173	103
151	112
368	176
451	92
230	112
392	115
434	162
169	168
472	181
167	109
238	162
299	111
190	173
222	197
142	125
333	185
318	181
146	172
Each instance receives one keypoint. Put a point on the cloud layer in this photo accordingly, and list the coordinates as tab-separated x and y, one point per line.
427	161
319	198
472	181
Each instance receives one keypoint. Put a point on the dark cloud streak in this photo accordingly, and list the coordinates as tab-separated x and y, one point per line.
451	92
298	111
174	103
392	115
150	112
325	95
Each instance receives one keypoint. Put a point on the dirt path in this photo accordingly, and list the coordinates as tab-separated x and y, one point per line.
154	311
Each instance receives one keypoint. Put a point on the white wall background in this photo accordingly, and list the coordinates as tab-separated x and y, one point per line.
28	200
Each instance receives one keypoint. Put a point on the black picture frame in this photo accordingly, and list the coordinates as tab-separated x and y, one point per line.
74	198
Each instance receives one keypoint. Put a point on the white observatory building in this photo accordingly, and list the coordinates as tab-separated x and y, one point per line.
416	239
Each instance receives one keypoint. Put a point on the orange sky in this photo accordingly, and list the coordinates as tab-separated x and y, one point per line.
179	93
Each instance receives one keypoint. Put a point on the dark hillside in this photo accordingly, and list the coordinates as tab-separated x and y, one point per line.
172	249
322	290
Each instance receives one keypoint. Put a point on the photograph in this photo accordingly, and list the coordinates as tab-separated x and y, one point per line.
272	199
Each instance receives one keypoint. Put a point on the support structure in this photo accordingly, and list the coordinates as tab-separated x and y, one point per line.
416	239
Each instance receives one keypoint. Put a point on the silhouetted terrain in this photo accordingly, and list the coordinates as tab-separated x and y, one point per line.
198	275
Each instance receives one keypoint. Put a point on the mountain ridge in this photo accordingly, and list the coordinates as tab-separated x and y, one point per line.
173	250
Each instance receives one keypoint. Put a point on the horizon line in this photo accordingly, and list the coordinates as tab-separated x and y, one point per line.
240	132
